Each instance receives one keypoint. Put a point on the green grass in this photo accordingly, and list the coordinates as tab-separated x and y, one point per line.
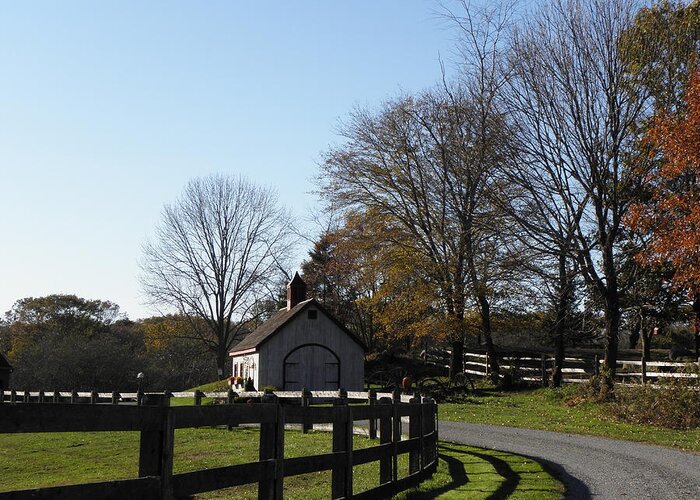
39	460
465	472
216	386
545	409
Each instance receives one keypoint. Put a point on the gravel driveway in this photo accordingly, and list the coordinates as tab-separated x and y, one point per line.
592	467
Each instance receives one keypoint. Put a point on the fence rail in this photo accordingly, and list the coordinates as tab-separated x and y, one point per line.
157	424
16	396
538	367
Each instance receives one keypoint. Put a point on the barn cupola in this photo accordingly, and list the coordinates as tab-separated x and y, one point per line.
296	291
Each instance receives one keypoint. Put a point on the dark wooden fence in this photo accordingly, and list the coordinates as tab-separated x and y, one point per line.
305	397
157	423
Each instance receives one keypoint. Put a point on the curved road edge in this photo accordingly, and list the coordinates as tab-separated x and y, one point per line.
591	466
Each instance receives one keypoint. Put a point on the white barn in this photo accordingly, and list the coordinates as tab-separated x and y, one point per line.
301	347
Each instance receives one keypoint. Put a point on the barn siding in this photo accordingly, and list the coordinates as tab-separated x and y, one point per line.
252	359
302	330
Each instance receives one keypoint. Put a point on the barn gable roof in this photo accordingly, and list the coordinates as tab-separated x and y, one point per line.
277	322
4	363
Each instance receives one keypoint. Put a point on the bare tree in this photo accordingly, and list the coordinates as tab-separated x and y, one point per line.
544	227
424	164
217	251
575	114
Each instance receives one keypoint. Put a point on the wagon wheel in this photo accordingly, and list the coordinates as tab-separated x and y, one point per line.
431	386
384	379
463	380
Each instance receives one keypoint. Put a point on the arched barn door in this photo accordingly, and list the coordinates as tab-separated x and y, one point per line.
311	366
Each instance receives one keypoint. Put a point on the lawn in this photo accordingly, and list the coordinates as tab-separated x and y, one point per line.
35	460
546	409
465	472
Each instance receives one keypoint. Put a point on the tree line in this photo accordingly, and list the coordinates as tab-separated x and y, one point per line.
557	173
64	342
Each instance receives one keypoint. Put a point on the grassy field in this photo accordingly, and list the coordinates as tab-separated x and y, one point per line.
547	409
473	473
35	460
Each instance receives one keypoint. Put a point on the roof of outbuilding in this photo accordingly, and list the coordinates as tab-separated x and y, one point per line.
281	318
4	363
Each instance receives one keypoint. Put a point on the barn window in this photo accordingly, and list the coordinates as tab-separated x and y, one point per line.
312	314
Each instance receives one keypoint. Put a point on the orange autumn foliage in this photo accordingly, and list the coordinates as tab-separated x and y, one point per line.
670	217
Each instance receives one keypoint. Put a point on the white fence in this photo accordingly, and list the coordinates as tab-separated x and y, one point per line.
534	367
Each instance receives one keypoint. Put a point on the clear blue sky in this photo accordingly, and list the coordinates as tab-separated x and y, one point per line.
108	108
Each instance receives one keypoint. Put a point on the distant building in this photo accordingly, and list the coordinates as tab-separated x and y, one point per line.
5	371
301	347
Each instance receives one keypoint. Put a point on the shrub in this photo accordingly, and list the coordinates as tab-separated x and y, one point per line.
598	390
675	405
512	379
561	394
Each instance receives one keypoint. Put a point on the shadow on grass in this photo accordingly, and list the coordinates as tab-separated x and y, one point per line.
575	488
458	478
510	480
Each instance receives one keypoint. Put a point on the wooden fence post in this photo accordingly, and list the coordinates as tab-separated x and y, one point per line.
41	397
13	396
487	364
341	480
596	365
342	396
27	396
156	450
414	431
230	399
305	402
430	444
272	449
198	395
385	438
544	370
371	401
73	397
396	432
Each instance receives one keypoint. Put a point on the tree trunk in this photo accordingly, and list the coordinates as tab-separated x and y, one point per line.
696	323
485	309
634	334
221	355
557	372
612	328
560	324
457	358
611	296
647	332
645	348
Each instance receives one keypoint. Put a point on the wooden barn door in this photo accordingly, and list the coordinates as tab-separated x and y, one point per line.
313	367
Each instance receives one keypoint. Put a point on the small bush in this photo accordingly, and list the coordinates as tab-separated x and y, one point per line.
512	379
560	394
675	405
598	390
